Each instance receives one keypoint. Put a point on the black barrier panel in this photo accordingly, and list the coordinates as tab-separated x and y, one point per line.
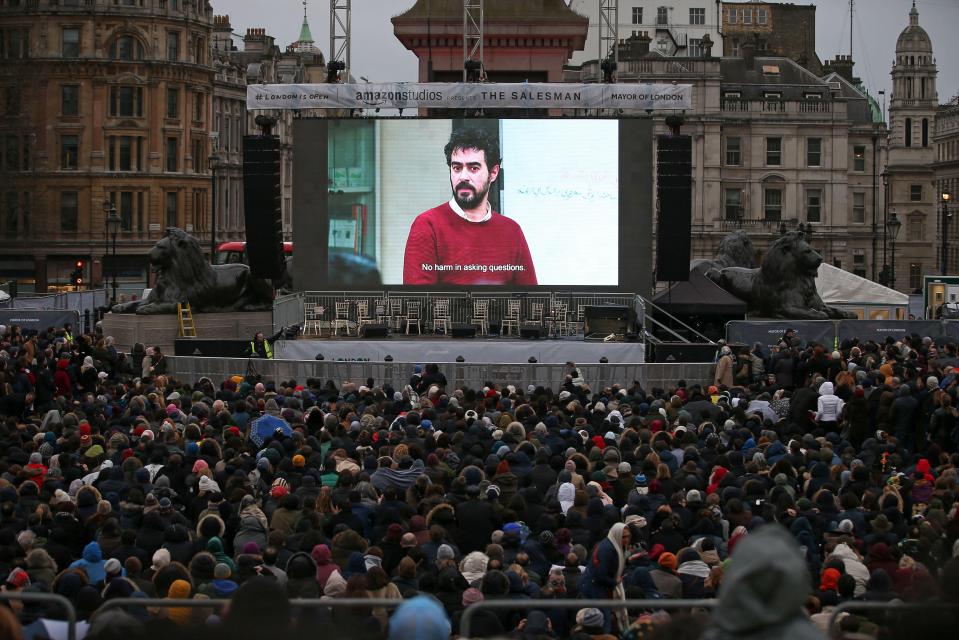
39	319
770	332
879	330
951	328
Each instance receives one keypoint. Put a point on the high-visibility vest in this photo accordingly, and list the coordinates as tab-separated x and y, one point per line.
267	348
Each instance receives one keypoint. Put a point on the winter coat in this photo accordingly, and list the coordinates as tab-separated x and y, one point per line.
724	371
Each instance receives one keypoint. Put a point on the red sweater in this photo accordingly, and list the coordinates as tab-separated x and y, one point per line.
460	252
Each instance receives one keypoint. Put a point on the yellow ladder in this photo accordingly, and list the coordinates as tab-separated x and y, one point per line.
185	320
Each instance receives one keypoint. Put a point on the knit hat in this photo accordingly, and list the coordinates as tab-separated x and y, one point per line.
471	596
112	566
445	552
590	618
221	571
668	560
18	578
422	618
299	461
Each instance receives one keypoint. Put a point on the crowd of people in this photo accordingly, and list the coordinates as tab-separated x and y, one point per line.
798	480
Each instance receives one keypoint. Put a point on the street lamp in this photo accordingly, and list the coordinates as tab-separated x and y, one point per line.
946	196
113	224
892	228
214	160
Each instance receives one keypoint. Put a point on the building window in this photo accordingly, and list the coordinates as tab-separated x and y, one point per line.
173	103
199	50
70	100
859	207
859	158
14	43
173	45
70	43
697	16
813	205
126	101
198	156
172	209
915	275
908	132
732	16
915	193
172	163
761	16
695	48
68	211
734	156
11	213
773	204
637	15
813	152
11	156
774	152
925	132
734	204
915	230
662	16
125	153
859	262
126	48
198	104
747	16
69	152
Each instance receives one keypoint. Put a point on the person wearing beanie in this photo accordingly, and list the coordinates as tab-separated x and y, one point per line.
422	618
664	576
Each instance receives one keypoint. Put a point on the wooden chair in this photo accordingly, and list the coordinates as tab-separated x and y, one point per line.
536	313
396	316
511	319
413	317
441	316
558	320
341	317
312	322
363	314
481	316
580	322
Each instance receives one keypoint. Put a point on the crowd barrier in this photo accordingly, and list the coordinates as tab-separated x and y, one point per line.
459	374
887	606
48	598
833	332
466	621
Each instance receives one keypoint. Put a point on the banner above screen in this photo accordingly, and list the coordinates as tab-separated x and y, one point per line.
398	95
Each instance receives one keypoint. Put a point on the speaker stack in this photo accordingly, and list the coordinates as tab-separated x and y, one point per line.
674	190
262	206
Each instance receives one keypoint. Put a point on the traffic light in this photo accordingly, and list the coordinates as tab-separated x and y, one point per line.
76	278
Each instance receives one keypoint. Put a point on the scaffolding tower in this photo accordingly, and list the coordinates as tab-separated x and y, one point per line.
473	70
340	12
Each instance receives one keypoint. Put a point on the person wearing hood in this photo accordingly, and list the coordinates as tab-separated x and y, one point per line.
91	563
421	618
828	408
325	566
693	572
763	591
603	578
853	565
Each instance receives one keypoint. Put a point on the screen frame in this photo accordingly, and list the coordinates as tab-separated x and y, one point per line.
636	149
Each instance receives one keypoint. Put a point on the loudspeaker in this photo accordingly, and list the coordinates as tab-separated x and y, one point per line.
531	331
374	331
210	348
463	330
261	206
605	319
674	190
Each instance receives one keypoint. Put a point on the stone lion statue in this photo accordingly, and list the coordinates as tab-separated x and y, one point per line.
784	286
735	250
183	275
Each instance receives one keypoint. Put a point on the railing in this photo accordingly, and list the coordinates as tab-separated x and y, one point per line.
466	621
744	105
755	223
48	598
459	374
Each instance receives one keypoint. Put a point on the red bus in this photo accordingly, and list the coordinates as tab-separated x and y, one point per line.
235	252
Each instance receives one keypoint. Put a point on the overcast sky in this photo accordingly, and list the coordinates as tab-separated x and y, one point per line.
378	55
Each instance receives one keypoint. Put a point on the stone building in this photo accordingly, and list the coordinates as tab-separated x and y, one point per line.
946	166
776	29
911	186
675	27
104	101
259	61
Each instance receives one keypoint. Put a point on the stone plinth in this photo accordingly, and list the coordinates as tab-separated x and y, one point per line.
161	330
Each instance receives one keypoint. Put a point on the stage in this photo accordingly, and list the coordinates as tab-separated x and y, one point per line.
473	350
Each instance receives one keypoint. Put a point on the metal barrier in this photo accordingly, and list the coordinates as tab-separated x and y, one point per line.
287	311
467	620
50	598
213	603
598	376
852	606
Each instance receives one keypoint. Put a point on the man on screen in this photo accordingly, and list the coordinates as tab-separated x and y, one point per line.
463	241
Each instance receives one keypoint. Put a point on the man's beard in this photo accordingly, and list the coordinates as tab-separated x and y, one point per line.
470	201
